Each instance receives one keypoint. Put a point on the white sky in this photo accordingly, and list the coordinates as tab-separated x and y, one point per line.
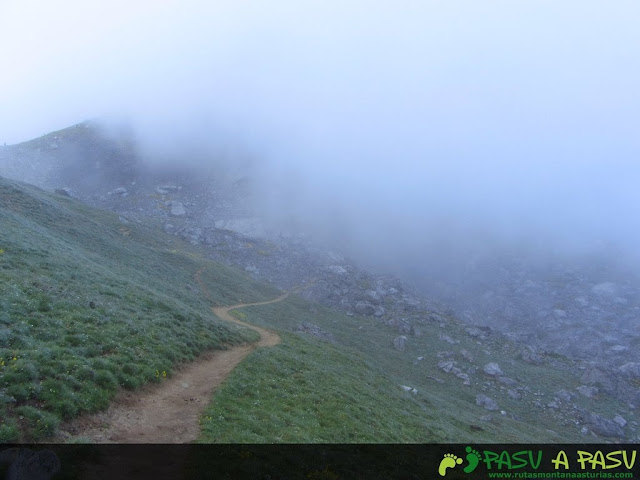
519	114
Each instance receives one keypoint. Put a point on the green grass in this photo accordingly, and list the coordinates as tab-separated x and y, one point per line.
308	390
86	310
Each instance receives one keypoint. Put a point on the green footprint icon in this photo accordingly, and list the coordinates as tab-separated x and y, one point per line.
473	457
449	461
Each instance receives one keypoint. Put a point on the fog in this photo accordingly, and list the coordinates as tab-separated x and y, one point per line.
406	132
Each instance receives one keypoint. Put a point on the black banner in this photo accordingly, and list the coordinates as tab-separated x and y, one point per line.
320	462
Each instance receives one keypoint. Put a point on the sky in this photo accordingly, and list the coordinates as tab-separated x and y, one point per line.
438	122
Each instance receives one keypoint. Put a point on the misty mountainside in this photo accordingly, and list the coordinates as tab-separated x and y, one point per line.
584	305
485	355
93	303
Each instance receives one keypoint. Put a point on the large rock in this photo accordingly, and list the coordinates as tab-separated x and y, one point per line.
588	392
400	343
66	191
630	369
492	369
487	402
604	426
166	189
402	326
119	191
177	209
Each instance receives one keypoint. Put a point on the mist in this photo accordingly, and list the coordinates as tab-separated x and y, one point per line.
414	132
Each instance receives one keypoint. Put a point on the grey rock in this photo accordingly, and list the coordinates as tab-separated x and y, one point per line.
553	404
630	369
564	395
166	189
446	354
118	191
620	421
466	380
177	209
66	192
616	349
337	270
514	394
487	402
379	312
492	369
402	326
509	382
582	301
446	365
191	234
466	354
400	343
604	427
530	356
446	338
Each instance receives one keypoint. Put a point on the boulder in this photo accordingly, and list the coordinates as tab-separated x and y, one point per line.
166	189
66	192
177	209
630	369
564	395
118	191
402	326
487	402
588	392
605	427
492	369
400	343
409	389
446	365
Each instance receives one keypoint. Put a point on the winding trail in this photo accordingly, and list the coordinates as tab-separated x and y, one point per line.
169	412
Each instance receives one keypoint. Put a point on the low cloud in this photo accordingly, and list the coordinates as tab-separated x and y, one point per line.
394	129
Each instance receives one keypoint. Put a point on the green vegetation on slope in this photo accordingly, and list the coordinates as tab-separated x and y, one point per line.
89	304
309	390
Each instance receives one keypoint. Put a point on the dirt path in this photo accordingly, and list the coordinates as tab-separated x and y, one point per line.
169	412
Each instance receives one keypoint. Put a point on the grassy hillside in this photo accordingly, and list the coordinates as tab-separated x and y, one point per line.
90	303
309	390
